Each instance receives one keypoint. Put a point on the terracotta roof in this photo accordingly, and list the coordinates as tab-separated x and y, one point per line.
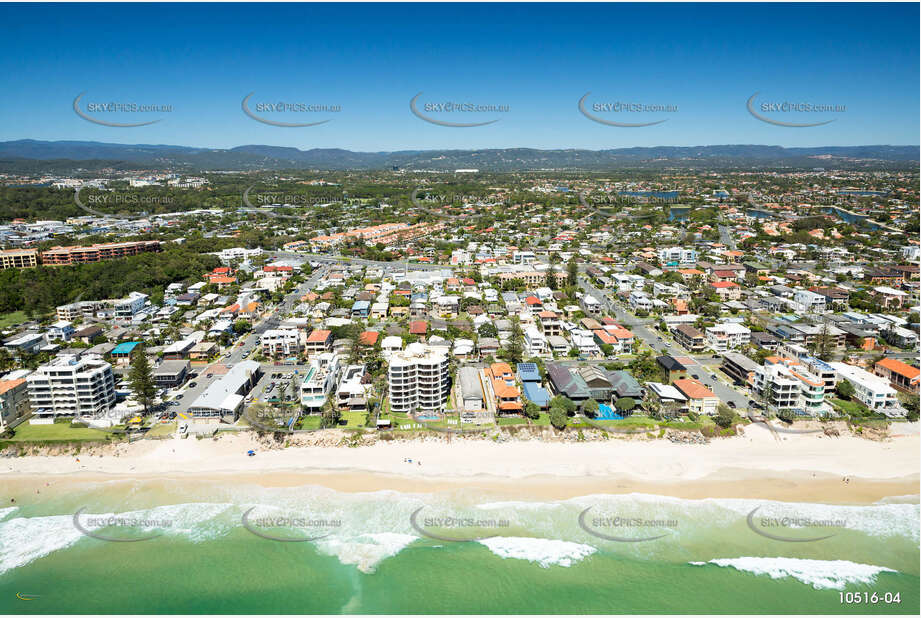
620	332
369	337
693	389
6	385
903	369
418	327
319	336
725	284
501	369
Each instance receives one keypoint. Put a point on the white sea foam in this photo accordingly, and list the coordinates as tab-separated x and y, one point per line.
365	551
6	511
878	520
820	574
545	552
24	539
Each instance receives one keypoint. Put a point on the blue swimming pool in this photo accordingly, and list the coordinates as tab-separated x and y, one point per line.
607	413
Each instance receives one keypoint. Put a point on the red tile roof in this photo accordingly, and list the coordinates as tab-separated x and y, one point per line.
369	337
319	336
693	389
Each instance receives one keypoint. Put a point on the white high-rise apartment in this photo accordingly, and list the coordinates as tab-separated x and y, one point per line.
71	385
789	385
419	379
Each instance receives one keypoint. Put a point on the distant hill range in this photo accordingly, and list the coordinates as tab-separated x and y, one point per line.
62	156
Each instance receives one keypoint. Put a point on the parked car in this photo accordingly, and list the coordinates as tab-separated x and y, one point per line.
193	384
731	404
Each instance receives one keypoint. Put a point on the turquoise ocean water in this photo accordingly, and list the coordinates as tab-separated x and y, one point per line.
205	548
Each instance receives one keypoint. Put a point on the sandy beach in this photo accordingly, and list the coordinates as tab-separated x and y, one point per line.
754	465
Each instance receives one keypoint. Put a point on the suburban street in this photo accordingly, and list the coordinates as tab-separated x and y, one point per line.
705	367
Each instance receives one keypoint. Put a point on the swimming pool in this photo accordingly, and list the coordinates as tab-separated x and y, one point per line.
606	413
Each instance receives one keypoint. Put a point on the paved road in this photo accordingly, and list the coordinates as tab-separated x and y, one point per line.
245	345
707	368
726	237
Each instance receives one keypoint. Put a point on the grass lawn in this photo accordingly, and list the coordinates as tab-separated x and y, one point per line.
689	424
354	419
162	429
11	319
631	422
58	432
310	421
850	407
513	420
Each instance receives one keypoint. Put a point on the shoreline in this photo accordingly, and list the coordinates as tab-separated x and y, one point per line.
725	484
756	465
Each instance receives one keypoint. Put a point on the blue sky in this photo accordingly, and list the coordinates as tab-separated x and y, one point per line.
537	59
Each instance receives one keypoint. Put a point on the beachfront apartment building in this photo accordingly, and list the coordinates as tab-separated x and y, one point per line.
352	392
70	385
871	390
320	381
14	397
419	379
786	384
728	336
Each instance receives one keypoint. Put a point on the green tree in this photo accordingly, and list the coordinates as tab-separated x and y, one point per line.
564	402
910	403
625	404
572	272
141	379
845	389
514	349
488	329
532	410
558	418
724	416
590	408
330	415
